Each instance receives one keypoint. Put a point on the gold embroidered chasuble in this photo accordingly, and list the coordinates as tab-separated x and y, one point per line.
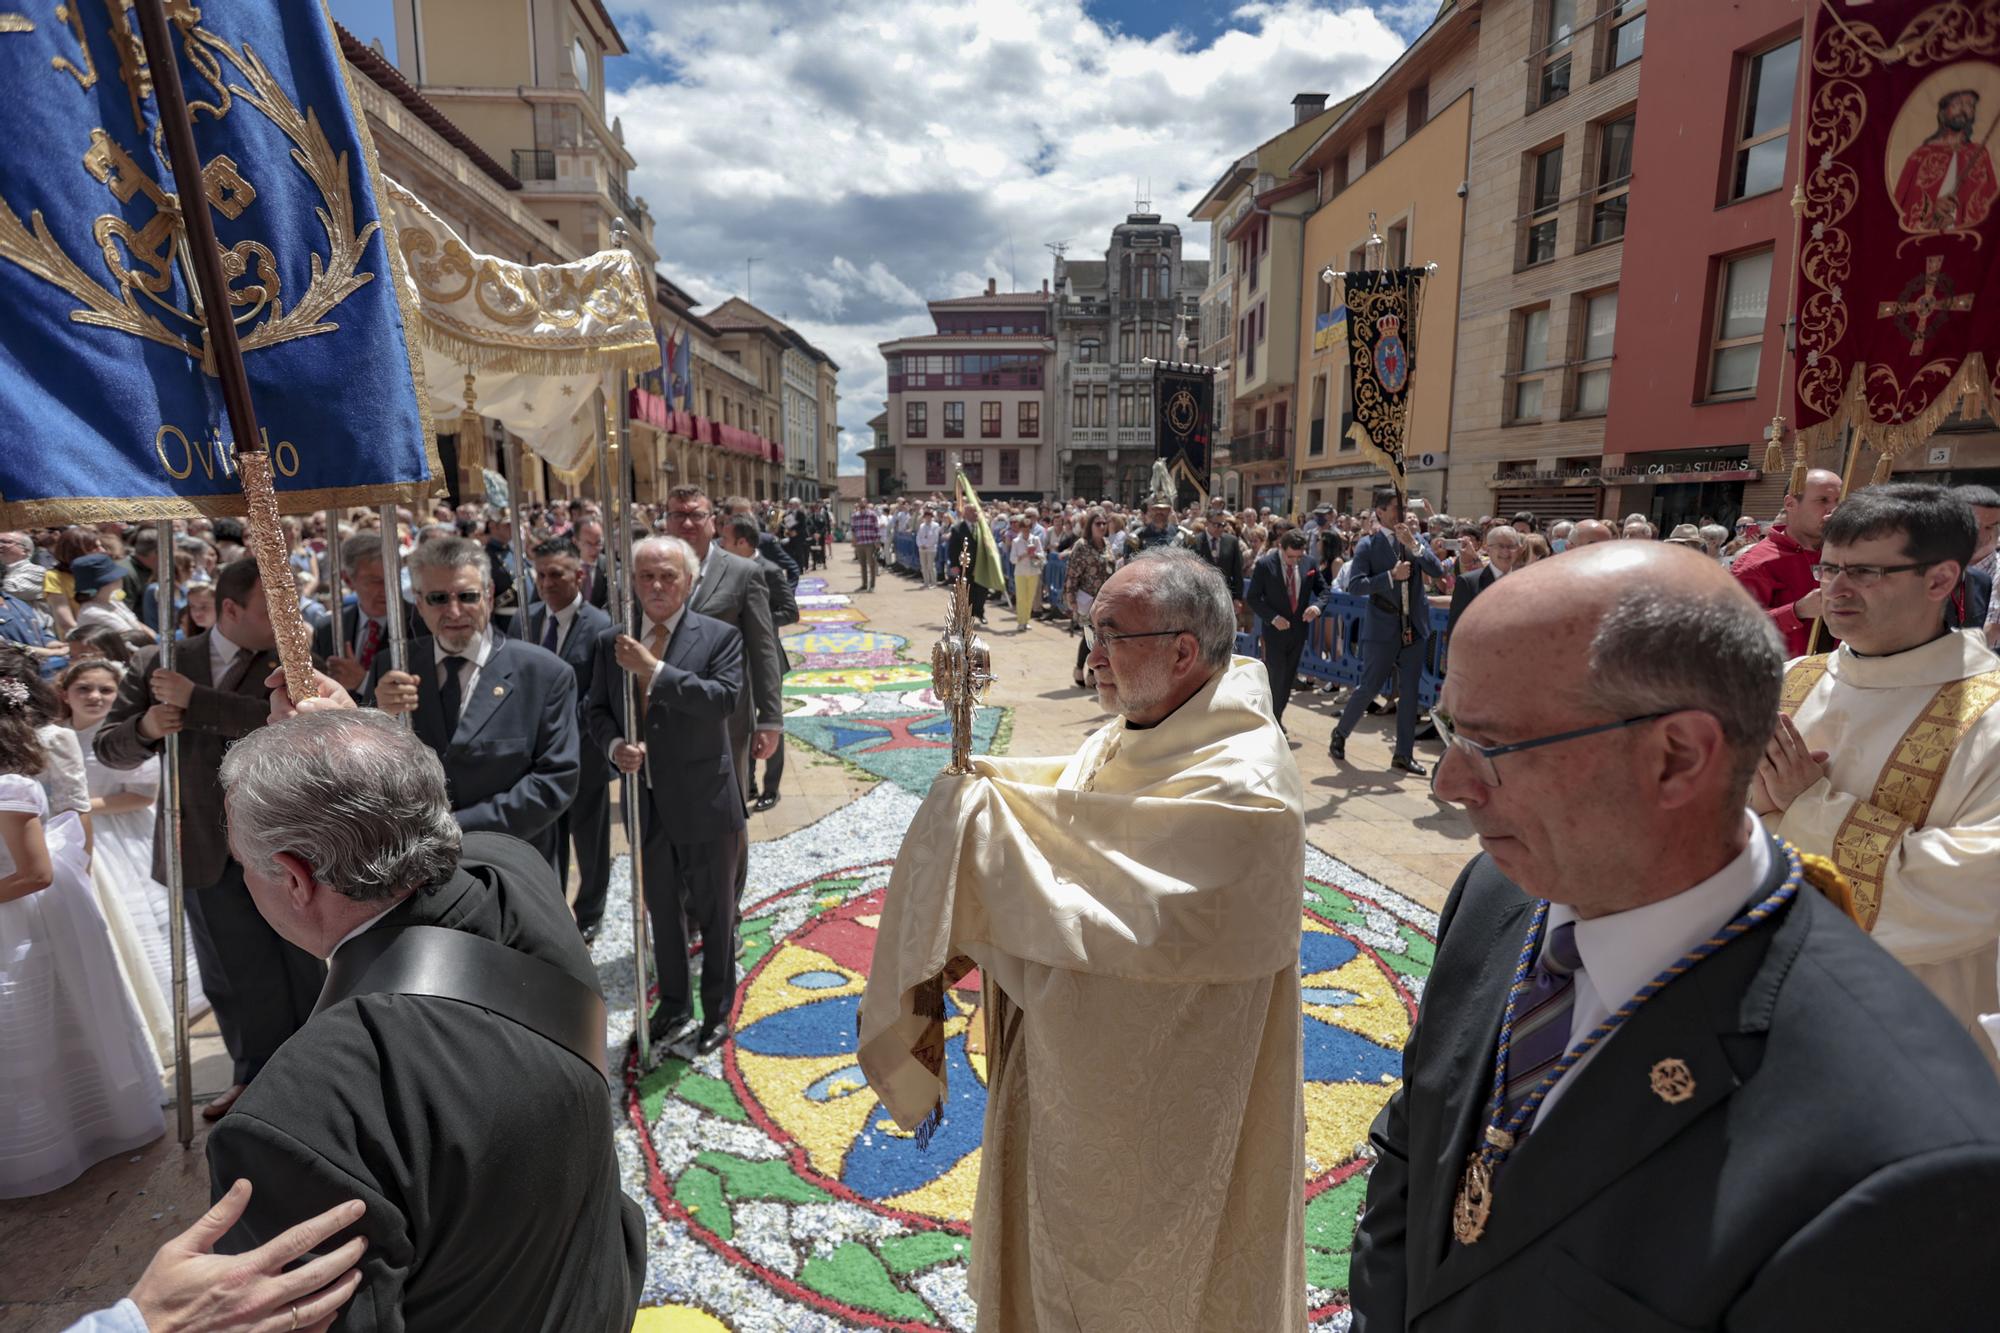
1135	912
1910	807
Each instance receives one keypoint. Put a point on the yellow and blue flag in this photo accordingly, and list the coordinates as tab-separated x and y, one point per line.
109	403
986	570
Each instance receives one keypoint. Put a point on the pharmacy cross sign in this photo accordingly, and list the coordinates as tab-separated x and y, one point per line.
1925	299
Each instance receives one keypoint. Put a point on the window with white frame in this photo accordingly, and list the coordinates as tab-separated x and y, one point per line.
1531	362
1742	304
1598	315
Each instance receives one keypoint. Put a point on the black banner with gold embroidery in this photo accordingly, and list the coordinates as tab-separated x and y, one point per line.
1184	409
1382	348
109	403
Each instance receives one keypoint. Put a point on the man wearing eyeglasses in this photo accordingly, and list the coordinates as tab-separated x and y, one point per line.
1131	904
1888	760
500	712
1659	1080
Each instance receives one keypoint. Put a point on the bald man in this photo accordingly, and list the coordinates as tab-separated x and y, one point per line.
1589	532
1777	571
1776	1127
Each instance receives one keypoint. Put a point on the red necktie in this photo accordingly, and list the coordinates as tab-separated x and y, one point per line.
1292	584
370	641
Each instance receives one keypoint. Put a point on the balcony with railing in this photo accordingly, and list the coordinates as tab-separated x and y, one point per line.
574	169
535	164
1270	445
1090	372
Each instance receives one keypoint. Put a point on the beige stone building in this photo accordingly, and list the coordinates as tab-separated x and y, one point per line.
1257	212
1395	158
1553	119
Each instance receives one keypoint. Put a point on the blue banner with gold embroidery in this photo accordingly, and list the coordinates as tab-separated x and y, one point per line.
106	409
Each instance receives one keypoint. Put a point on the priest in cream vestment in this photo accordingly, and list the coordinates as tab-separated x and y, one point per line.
1134	911
1887	758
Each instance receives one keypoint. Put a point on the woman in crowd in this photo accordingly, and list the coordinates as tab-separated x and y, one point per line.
97	579
121	821
199	613
1025	550
99	643
1088	565
1534	547
58	588
78	1084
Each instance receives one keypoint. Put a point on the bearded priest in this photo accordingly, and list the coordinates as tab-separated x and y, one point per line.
1134	913
1887	756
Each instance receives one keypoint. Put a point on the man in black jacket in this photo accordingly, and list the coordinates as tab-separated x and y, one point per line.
740	537
1722	1105
767	545
563	623
691	671
481	1148
1284	590
962	538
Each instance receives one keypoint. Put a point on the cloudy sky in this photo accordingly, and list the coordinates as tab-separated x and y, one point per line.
873	154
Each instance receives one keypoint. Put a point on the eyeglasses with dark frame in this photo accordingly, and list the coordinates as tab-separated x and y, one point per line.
1111	637
1865	576
463	596
689	515
1481	757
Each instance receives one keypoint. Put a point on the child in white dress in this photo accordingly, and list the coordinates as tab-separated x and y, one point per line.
77	1081
121	865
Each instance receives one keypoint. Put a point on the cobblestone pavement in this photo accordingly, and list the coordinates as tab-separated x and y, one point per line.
777	1196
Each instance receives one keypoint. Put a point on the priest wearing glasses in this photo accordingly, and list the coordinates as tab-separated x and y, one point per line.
500	712
1660	1079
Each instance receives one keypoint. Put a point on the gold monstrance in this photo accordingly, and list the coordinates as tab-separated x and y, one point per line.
961	666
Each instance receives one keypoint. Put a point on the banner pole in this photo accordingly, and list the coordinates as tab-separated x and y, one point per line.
392	585
333	581
524	577
170	829
223	354
617	551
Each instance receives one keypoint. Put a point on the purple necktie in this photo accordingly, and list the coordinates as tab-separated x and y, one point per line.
1542	1018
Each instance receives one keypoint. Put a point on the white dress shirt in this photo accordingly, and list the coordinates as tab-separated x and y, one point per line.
476	656
565	621
363	926
221	654
1622	951
650	627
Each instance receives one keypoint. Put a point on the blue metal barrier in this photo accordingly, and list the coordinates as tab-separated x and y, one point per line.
906	552
1334	651
1052	584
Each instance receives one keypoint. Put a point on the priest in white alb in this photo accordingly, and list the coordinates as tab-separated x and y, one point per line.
1887	755
1134	912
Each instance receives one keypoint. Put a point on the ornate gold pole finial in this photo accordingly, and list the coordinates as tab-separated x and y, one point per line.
961	666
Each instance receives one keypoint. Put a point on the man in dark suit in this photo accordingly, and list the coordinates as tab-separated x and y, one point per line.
1220	547
504	577
1397	630
1503	548
1284	595
1973	598
500	713
480	1147
1782	1129
566	625
364	626
964	537
260	987
768	544
595	575
738	532
730	589
690	670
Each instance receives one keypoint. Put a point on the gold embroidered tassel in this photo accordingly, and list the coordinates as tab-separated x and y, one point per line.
1881	473
470	427
1774	452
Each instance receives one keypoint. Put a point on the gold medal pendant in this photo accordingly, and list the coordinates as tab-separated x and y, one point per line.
1475	1200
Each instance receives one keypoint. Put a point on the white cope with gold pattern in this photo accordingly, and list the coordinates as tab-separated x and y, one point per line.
1135	911
1938	883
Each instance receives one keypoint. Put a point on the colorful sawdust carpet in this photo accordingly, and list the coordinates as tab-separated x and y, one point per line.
784	1198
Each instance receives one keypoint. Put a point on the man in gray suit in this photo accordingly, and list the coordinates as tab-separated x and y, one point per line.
739	537
563	623
1660	1080
731	589
690	674
501	713
261	988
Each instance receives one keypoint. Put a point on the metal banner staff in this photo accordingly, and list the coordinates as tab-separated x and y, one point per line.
170	828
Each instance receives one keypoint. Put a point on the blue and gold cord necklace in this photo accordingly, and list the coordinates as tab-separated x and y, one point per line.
1475	1190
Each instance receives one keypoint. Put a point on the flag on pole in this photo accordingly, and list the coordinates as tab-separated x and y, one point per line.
524	344
684	372
986	569
109	400
1899	260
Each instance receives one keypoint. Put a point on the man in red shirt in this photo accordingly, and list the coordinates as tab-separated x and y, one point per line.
1777	571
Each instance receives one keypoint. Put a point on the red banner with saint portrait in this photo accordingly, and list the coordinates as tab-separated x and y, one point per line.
1899	254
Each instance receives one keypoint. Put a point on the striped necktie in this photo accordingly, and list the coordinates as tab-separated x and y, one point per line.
1542	1019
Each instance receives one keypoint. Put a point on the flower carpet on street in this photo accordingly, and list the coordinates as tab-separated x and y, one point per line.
780	1195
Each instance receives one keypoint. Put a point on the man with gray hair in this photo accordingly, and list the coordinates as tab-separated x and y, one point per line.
451	1077
364	626
499	711
20	576
1132	904
1660	1079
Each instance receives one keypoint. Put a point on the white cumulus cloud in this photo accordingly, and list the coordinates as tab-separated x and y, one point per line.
874	156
